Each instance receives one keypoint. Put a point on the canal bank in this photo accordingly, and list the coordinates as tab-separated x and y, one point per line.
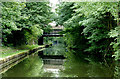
10	61
36	67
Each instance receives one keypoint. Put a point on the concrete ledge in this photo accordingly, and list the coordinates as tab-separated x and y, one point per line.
10	61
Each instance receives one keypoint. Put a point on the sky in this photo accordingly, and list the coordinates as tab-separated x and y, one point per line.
54	2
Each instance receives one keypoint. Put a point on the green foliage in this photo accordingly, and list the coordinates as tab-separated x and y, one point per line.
10	14
26	20
36	13
64	11
73	30
88	26
115	33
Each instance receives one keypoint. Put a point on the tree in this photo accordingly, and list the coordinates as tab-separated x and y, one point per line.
88	26
36	17
64	11
115	33
11	12
24	22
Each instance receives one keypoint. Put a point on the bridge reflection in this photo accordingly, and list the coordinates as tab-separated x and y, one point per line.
53	35
53	64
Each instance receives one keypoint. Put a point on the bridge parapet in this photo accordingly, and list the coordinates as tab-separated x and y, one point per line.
55	31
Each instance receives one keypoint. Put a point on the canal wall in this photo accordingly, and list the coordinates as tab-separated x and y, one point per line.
10	61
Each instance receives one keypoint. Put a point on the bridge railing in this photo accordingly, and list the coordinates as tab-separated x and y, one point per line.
55	31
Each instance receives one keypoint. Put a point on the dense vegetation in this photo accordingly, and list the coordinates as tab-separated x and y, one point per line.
23	23
91	27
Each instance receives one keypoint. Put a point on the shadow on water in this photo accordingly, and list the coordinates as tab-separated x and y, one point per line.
42	64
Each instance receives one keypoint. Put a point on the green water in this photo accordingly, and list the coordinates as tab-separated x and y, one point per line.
34	66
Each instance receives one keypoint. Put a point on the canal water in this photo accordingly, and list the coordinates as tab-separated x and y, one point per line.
35	66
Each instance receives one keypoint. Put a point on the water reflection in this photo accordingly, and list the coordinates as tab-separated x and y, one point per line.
53	66
35	66
53	61
80	68
58	47
71	67
30	67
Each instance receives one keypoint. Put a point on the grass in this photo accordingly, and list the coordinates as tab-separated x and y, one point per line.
7	51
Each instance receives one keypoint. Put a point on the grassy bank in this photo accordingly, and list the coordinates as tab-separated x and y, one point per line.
7	51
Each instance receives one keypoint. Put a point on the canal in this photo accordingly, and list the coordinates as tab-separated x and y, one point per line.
37	66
